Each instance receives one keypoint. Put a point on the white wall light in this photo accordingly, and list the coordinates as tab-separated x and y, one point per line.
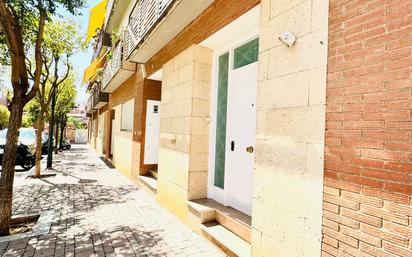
287	38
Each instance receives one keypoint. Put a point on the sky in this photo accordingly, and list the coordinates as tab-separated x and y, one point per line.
80	61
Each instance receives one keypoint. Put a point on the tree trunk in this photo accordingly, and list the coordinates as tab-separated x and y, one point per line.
9	161
56	138
39	142
61	134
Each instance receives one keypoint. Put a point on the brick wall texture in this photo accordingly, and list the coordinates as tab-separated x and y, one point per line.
367	207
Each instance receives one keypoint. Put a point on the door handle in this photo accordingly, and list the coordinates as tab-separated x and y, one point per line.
250	149
232	146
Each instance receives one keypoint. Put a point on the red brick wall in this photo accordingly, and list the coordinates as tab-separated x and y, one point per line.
141	90
131	88
216	16
368	167
152	91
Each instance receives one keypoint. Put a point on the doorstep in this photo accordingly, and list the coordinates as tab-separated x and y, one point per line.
148	183
227	241
224	226
152	173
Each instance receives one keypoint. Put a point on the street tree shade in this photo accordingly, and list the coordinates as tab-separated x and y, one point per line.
22	25
62	39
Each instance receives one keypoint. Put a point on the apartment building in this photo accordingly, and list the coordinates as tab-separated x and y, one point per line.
273	128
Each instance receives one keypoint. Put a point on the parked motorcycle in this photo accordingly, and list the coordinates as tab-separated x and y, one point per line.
24	158
25	148
66	144
45	145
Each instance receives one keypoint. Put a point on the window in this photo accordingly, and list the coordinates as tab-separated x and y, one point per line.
223	78
127	115
246	54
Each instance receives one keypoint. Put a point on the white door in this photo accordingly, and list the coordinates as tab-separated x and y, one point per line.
233	140
151	148
112	138
241	130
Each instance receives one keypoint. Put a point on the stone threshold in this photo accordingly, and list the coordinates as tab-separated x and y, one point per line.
228	242
42	226
227	228
208	210
148	183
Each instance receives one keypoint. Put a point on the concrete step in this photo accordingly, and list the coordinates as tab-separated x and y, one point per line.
207	210
202	210
149	182
152	173
231	244
235	221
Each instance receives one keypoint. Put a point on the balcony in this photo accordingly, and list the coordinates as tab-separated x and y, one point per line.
117	70
115	13
103	42
89	106
97	99
153	23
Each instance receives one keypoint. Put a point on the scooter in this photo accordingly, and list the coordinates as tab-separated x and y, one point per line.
24	158
65	144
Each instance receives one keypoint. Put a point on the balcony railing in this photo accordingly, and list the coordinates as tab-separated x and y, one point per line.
117	69
89	106
143	19
100	98
113	65
104	40
97	99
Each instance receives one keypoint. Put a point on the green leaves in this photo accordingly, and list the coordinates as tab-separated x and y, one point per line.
66	96
24	7
62	38
4	116
26	14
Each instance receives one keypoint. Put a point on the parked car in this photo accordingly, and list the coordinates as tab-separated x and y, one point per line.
26	147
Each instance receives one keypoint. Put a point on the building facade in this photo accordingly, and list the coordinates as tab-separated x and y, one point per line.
273	128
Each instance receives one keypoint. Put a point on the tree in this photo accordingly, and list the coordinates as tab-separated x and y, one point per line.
66	96
25	121
4	116
61	40
32	110
75	122
22	21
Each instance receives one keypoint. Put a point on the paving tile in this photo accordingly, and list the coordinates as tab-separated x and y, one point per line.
97	212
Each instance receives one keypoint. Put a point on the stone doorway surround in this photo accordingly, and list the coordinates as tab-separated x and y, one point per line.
184	129
288	175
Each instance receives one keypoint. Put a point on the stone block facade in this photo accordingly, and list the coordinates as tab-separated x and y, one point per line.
367	192
184	129
288	176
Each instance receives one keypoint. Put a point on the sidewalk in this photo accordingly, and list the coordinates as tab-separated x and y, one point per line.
98	212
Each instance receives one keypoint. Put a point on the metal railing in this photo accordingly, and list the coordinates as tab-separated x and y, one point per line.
113	65
89	106
104	40
143	19
97	97
96	94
